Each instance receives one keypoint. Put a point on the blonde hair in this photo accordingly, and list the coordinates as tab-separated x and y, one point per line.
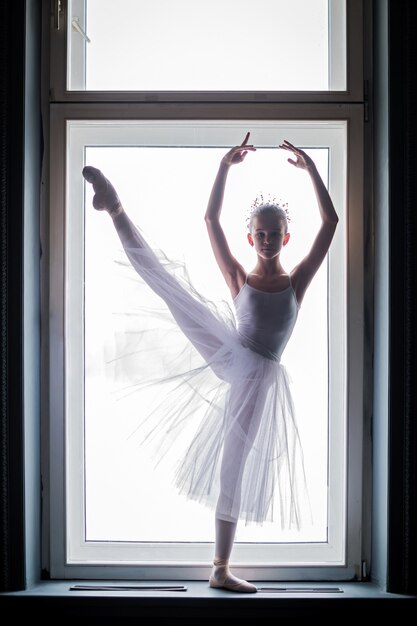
270	207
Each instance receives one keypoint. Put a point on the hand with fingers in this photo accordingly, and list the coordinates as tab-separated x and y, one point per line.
302	160
238	153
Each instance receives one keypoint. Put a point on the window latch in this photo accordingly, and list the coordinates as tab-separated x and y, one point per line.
76	26
57	10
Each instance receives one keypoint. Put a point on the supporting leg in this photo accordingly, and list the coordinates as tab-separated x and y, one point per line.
221	577
242	426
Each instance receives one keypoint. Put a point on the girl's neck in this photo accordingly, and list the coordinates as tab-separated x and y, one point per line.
268	268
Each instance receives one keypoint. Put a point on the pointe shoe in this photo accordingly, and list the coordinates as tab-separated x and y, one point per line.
105	197
231	583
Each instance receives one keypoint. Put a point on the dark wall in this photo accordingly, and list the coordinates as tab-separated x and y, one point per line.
12	72
20	153
402	487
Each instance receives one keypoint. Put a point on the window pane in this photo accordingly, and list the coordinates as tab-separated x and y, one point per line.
208	45
117	503
127	498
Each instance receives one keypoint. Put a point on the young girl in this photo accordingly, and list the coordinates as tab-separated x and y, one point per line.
247	439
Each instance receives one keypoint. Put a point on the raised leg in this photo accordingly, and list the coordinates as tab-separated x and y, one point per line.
192	315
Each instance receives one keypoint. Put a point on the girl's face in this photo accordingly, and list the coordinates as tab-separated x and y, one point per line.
268	235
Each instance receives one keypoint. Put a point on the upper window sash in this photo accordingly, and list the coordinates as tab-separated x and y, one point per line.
65	58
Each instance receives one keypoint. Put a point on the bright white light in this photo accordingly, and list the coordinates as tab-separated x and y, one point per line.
222	45
165	191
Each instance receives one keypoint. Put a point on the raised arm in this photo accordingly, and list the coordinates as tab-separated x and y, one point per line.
305	270
229	266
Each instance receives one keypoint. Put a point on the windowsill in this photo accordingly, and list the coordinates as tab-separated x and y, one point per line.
53	598
200	589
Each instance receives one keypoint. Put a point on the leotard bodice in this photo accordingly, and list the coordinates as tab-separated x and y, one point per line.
266	320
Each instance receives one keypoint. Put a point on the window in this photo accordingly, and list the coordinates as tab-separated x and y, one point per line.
250	38
197	130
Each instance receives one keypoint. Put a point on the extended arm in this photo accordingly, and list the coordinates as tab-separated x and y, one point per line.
304	272
229	266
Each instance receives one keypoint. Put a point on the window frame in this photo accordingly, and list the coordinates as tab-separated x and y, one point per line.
349	105
59	117
60	93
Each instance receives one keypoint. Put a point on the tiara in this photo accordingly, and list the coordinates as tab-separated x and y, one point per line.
271	200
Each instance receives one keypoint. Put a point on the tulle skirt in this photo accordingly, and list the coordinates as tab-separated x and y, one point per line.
227	408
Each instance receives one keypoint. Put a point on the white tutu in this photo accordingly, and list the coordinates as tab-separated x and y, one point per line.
229	407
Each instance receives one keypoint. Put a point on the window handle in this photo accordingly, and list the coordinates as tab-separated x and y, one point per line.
76	26
57	14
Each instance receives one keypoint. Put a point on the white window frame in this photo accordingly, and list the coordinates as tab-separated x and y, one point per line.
71	555
60	64
66	105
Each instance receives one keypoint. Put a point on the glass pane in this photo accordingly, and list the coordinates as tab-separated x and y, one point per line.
127	499
207	45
